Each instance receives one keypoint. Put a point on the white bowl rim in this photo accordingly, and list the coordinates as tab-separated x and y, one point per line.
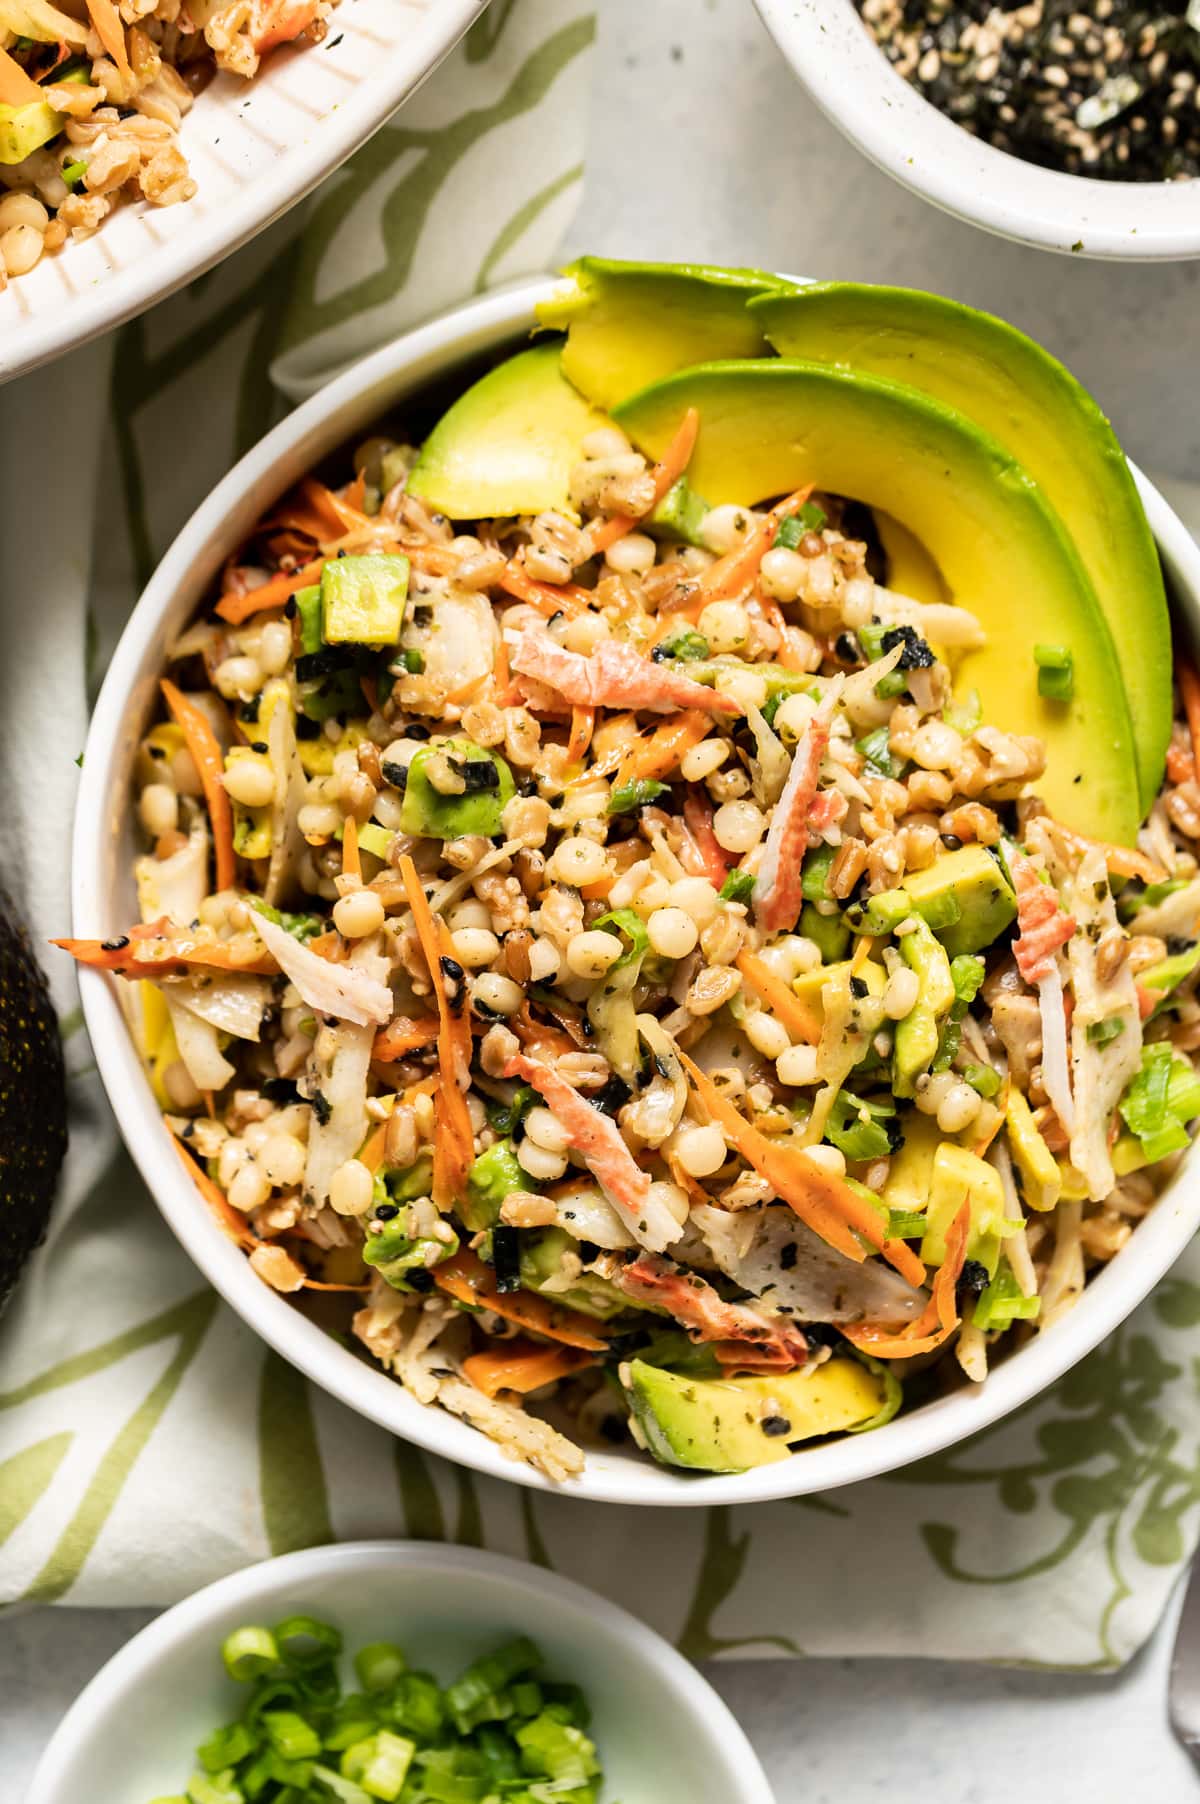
688	1688
608	1477
254	206
832	52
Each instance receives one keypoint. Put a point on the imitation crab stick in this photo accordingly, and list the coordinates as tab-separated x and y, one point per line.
201	742
778	893
522	1366
666	474
469	1281
696	1306
616	675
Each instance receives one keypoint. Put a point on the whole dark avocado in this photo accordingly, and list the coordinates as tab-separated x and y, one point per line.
33	1100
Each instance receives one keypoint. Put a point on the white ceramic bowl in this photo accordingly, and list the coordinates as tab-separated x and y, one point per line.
104	904
834	55
661	1729
255	149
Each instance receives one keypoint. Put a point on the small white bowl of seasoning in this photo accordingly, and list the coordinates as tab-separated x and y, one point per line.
836	57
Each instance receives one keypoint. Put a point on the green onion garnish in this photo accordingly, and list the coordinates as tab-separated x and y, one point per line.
1056	672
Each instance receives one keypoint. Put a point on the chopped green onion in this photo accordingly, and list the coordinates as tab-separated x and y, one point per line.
906	1224
638	794
1103	1033
305	1642
966	715
856	1126
806	519
1056	672
875	748
249	1652
737	887
1004	1302
73	173
379	1665
688	647
983	1078
497	1735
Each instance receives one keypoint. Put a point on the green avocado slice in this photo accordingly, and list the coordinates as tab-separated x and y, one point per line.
731	1424
1034	407
509	444
771	426
630	324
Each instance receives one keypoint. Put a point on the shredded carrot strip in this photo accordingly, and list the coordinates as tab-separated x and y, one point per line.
202	744
272	594
658	755
16	87
738	569
110	31
940	1316
1189	690
468	1280
523	1366
582	722
454	1148
666	474
1122	861
356	492
404	1035
548	598
434	560
779	998
185	955
827	1204
233	1222
351	862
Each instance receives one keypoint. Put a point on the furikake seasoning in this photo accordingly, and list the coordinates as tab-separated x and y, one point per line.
1113	91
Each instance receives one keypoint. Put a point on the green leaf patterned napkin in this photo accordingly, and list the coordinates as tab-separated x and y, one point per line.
148	1441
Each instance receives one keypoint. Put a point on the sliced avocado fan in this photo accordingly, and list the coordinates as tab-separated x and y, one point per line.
771	426
33	1101
1034	407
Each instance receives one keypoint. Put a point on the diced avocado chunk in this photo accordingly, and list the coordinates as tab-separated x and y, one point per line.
732	1424
910	1173
1041	1178
24	129
494	1176
476	808
679	515
828	933
362	599
810	985
964	896
916	1037
959	1176
541	1259
308	612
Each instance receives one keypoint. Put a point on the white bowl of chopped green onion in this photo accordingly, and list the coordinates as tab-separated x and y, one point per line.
360	1673
847	73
